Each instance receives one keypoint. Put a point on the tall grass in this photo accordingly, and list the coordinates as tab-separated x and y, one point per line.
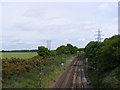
50	66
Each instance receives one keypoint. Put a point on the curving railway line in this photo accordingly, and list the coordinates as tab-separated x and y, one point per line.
74	76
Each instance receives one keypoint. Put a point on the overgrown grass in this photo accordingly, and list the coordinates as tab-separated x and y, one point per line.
22	55
112	79
26	80
93	77
48	79
32	79
105	80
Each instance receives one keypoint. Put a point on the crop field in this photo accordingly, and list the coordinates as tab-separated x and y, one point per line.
22	55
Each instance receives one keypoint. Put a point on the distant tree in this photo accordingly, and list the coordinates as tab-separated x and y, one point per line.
61	50
80	49
53	52
43	51
69	49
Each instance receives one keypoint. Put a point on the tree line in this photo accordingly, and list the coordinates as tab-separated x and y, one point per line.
104	56
68	49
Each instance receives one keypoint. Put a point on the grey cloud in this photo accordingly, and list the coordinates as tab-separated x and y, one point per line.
52	25
47	31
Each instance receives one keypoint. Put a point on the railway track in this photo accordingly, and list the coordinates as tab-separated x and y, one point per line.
73	76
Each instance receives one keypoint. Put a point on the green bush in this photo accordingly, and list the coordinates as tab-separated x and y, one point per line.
43	51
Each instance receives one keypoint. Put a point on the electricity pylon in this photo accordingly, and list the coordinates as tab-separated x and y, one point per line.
99	36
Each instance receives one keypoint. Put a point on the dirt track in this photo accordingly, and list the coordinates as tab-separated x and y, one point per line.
74	76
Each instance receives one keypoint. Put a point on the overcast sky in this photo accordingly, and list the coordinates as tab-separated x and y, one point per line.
29	25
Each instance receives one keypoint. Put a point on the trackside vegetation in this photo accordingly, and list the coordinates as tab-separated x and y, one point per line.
39	71
104	62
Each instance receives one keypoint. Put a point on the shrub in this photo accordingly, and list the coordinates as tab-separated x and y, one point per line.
43	51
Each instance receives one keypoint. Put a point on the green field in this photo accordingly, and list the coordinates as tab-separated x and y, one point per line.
22	55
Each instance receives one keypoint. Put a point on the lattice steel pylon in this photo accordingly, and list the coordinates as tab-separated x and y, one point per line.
99	36
49	44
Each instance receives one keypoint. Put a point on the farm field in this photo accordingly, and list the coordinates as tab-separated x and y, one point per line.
22	55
